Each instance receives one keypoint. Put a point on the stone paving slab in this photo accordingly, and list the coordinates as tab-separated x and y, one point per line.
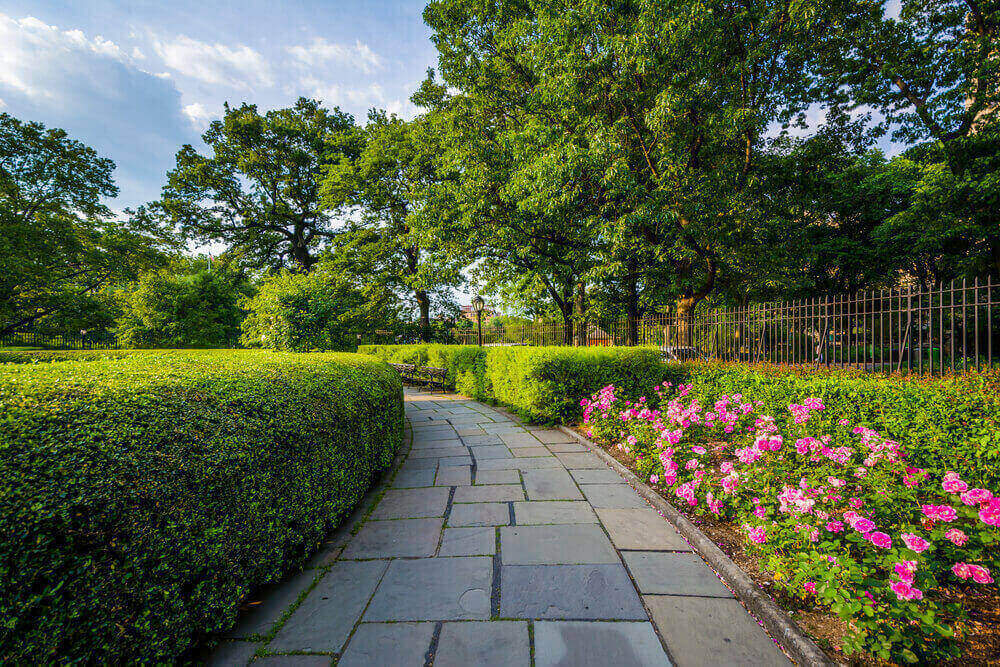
705	632
232	653
576	460
554	484
414	478
597	644
613	496
268	605
552	436
439	452
556	544
596	476
569	592
455	461
412	538
474	541
489	493
641	529
498	477
324	620
454	476
554	511
566	447
479	644
434	589
671	573
479	514
388	644
527	463
484	452
412	503
520	439
294	660
530	451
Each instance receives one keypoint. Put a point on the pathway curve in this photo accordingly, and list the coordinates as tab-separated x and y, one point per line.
498	543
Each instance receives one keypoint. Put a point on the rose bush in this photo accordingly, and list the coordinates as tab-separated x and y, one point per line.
832	508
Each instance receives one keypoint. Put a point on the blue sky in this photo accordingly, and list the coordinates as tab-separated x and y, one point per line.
138	79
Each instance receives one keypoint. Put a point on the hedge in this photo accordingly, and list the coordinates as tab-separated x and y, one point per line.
947	423
143	498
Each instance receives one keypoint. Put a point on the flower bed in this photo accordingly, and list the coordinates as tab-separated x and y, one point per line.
832	509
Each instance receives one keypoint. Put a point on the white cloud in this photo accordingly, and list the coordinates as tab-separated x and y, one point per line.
334	95
405	109
30	45
237	66
199	115
321	53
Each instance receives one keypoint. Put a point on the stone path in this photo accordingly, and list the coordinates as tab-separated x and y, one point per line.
500	544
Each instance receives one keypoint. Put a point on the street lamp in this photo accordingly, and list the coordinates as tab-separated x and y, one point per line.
477	305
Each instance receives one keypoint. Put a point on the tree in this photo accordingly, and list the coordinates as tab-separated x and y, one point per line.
933	73
258	191
197	307
322	310
59	245
387	186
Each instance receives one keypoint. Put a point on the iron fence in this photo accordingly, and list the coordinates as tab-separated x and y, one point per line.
33	339
951	327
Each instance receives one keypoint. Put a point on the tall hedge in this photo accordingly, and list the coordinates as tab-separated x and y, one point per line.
946	423
142	498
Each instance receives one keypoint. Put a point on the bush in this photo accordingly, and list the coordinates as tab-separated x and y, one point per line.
142	498
839	514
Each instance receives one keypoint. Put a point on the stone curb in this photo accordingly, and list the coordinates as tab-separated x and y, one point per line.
778	624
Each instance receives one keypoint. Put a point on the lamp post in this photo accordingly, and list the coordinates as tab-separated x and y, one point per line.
477	305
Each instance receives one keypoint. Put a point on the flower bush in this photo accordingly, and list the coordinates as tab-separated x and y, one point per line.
833	508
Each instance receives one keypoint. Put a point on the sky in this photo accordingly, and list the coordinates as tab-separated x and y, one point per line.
136	80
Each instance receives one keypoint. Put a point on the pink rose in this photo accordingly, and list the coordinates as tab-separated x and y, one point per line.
810	587
905	591
980	574
863	525
961	570
957	537
952	483
989	513
976	496
915	542
905	570
757	535
939	512
835	526
880	540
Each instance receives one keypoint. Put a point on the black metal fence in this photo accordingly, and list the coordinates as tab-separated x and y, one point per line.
951	327
32	339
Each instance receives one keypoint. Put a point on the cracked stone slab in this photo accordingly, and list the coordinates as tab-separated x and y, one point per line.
434	589
326	617
641	529
483	644
556	544
597	644
388	644
569	592
479	514
553	484
597	476
704	632
412	503
272	601
413	478
613	496
454	476
412	538
485	452
554	511
576	460
489	493
498	477
475	541
670	573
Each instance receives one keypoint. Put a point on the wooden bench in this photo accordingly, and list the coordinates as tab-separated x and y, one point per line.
430	376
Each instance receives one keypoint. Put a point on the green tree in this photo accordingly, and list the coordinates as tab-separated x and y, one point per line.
387	187
59	245
194	308
322	310
259	189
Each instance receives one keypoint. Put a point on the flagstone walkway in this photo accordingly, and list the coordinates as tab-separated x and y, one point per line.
498	543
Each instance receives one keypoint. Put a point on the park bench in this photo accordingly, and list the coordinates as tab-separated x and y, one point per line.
431	376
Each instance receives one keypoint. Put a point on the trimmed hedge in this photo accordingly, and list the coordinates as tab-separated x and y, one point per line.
142	498
946	423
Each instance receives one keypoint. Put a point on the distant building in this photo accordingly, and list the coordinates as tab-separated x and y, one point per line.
469	314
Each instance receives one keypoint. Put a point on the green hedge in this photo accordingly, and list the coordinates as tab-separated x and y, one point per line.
142	498
946	423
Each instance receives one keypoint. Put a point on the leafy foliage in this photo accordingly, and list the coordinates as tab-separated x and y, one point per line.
144	497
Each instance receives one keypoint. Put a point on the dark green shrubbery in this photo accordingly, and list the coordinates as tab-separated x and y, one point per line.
142	498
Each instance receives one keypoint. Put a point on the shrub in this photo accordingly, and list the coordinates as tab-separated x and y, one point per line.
838	513
466	364
142	498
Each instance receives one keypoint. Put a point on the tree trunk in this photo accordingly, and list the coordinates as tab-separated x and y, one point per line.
424	304
580	315
300	253
631	306
685	319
